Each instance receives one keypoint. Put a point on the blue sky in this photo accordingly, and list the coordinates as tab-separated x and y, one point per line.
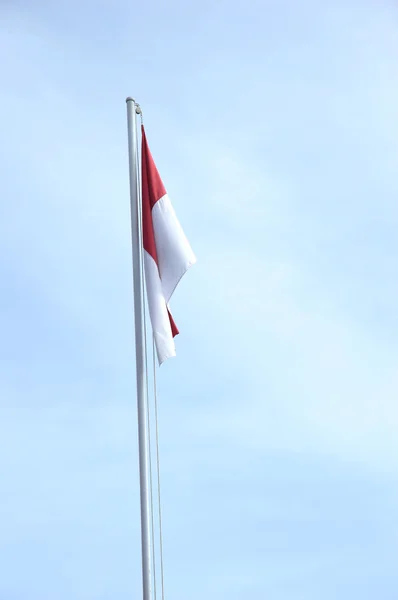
274	125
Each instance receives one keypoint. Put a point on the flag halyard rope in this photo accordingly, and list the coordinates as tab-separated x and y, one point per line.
155	395
157	462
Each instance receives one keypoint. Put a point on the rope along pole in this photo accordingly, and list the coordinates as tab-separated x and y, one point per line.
158	468
139	112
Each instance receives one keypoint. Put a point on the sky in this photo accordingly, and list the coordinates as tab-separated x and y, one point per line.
274	125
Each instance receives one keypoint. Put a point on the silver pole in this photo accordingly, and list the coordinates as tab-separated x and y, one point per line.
140	350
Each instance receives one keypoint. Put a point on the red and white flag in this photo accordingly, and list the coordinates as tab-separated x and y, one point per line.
167	253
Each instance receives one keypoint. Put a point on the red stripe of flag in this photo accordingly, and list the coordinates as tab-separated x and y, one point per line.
152	191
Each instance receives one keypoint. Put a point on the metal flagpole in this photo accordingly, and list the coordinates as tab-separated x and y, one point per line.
140	349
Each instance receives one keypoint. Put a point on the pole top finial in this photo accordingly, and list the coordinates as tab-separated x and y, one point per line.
138	110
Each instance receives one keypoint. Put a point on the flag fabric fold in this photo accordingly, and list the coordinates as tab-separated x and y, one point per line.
167	253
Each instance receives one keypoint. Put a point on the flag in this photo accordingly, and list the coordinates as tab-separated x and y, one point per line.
167	253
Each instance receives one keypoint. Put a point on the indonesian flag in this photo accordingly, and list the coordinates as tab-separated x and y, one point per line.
167	253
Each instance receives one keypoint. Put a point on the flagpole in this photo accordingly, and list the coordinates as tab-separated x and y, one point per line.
140	349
